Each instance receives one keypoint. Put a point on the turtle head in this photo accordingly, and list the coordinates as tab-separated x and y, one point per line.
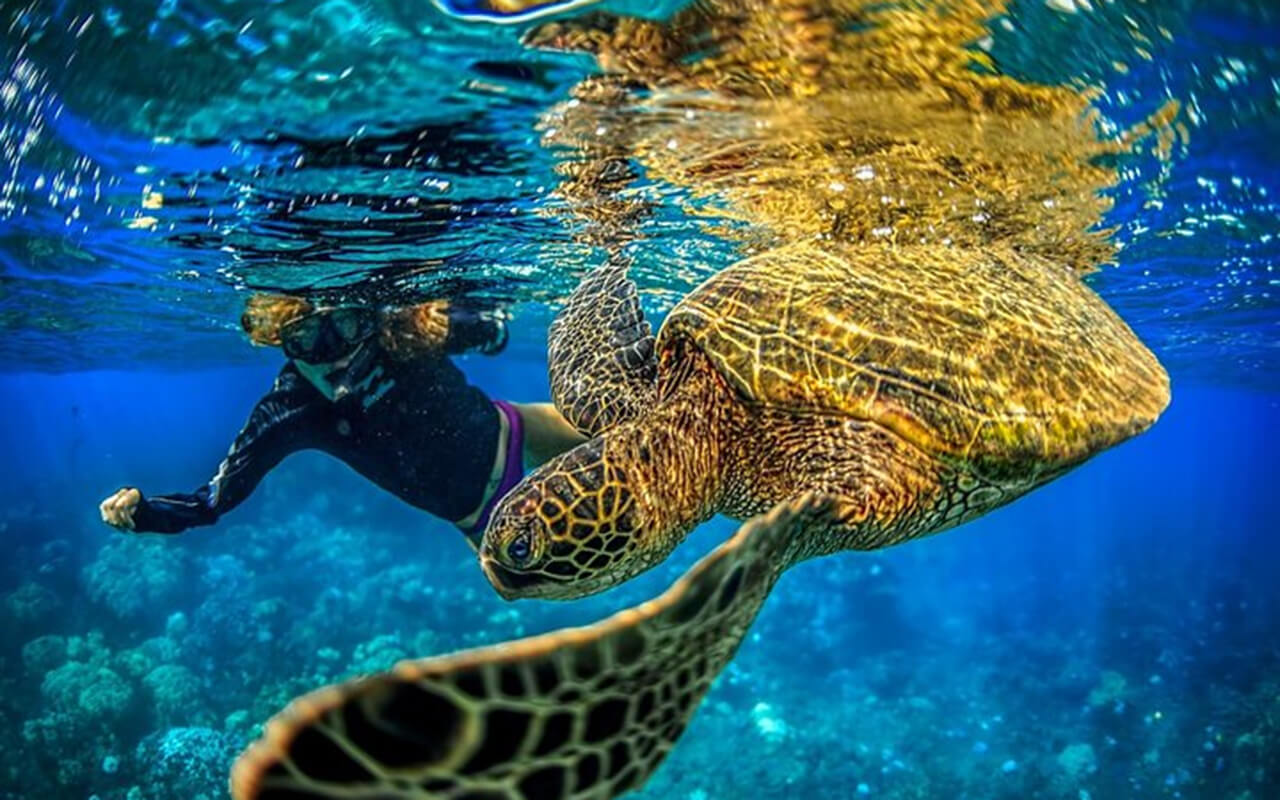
571	528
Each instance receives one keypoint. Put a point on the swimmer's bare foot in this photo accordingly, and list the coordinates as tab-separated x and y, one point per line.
118	509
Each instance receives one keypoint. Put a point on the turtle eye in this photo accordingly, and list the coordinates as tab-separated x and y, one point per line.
518	550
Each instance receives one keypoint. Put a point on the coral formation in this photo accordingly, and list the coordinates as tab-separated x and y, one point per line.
133	576
92	692
186	762
31	604
174	691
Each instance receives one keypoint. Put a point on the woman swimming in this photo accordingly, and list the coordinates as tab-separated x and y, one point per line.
375	388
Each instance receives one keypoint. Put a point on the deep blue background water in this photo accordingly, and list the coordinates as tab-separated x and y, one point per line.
1193	496
1130	606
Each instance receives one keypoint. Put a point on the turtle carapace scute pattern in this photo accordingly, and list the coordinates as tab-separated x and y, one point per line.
921	386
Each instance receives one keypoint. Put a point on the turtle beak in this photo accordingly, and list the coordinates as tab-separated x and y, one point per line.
508	583
515	585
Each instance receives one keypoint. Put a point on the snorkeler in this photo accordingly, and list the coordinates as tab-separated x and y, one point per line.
374	388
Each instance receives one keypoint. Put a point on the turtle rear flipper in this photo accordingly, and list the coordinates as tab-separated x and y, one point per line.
600	350
583	712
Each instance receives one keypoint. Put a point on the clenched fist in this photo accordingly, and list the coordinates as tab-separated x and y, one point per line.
118	509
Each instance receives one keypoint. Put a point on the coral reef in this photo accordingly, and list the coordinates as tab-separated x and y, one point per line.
31	604
133	576
850	677
186	762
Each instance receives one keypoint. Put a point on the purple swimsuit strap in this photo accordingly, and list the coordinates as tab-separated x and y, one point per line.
512	470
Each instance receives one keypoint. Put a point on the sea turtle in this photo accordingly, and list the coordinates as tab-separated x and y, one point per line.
850	390
852	396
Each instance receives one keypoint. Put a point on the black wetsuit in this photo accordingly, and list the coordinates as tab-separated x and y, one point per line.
420	431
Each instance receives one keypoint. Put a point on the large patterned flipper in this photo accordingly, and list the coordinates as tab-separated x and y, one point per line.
582	713
600	350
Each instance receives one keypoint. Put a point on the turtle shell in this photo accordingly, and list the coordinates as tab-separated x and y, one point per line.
1002	362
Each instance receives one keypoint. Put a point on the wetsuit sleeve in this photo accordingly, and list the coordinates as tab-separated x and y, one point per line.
279	424
485	331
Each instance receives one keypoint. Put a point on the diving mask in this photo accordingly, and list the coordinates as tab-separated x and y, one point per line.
328	335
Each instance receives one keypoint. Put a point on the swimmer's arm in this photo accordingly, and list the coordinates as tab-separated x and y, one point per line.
437	326
481	331
547	433
283	422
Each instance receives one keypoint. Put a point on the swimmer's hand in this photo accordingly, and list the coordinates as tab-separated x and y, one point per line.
118	509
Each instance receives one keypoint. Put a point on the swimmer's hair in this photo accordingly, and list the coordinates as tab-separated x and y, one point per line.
406	332
265	314
421	329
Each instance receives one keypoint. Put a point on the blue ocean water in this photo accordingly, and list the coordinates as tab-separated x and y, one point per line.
1115	634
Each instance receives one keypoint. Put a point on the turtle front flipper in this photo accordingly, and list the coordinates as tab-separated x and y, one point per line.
582	712
600	350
